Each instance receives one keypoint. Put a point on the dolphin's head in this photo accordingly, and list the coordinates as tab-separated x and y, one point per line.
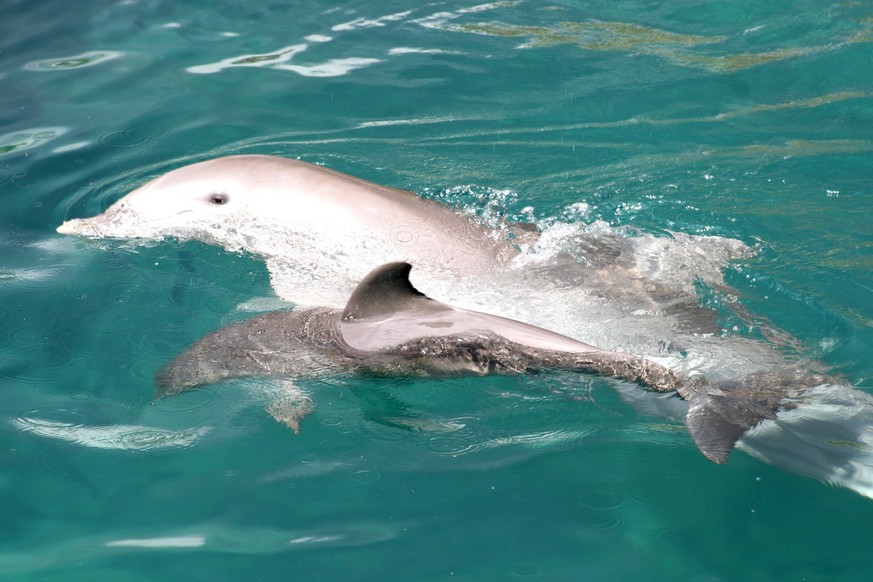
185	203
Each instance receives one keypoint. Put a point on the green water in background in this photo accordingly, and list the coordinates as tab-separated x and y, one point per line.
741	119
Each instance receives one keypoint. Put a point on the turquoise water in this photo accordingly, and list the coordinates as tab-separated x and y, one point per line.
738	119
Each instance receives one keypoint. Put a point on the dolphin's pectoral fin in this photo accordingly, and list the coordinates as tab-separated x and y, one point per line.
289	405
719	414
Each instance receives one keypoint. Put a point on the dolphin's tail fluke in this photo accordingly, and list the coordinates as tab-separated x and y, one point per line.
719	413
717	420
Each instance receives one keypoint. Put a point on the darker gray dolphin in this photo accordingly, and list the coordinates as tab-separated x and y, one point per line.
388	327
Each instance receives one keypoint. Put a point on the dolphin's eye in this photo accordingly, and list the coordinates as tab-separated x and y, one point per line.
218	198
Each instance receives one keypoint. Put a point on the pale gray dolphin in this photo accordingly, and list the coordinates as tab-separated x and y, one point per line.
294	215
250	202
389	327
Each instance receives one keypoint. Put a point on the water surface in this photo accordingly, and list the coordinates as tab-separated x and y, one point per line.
740	120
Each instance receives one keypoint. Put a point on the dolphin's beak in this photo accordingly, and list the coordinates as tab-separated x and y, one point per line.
118	221
115	222
68	227
88	227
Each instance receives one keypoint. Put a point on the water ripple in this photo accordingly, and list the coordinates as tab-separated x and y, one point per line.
370	22
72	365
526	570
117	437
600	510
131	136
33	277
637	39
26	139
453	445
278	60
80	61
365	477
184	404
25	338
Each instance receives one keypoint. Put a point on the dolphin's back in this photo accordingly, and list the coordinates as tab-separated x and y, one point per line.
385	311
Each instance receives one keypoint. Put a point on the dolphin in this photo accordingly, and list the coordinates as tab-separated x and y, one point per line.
294	214
388	327
249	202
320	231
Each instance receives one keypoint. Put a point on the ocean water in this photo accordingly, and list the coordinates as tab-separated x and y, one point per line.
745	120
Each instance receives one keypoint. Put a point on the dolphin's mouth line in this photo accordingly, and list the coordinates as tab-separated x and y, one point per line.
96	226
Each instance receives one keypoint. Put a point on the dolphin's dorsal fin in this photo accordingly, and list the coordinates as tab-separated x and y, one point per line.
384	290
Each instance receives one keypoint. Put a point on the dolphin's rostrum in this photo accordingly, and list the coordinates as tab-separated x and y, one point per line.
389	327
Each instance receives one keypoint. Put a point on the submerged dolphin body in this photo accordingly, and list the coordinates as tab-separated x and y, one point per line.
389	327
